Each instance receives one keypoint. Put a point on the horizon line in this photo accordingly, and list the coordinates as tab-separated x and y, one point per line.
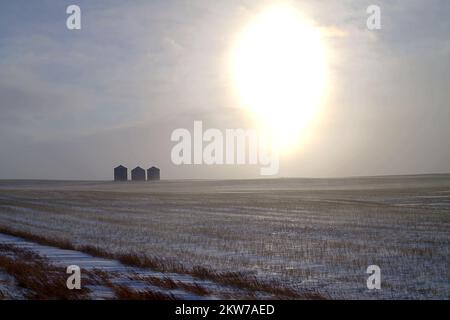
240	179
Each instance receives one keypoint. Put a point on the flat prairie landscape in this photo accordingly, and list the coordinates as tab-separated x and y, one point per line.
283	238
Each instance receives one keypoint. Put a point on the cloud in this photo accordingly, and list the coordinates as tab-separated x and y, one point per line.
334	32
75	103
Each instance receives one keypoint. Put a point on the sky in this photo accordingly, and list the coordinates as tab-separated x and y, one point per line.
76	103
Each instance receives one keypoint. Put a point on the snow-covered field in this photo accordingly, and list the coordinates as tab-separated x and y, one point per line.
318	234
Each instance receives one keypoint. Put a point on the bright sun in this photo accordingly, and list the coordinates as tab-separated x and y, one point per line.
279	69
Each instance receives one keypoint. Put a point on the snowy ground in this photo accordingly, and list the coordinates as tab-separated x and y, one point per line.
130	277
316	234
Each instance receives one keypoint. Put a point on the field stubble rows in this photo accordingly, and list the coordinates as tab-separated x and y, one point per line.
320	239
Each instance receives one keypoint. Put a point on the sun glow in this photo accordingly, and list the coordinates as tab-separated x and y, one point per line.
279	70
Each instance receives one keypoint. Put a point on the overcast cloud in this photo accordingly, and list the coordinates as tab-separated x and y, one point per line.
74	104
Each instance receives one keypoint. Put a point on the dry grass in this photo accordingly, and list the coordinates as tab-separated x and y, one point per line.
53	242
242	281
171	284
232	279
126	293
41	280
123	292
319	234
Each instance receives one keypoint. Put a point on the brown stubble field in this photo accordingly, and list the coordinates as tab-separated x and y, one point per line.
302	235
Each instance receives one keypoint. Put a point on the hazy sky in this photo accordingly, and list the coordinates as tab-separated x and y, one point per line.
74	104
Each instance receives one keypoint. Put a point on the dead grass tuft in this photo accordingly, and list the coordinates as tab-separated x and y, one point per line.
168	283
60	243
232	279
126	293
251	283
42	280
